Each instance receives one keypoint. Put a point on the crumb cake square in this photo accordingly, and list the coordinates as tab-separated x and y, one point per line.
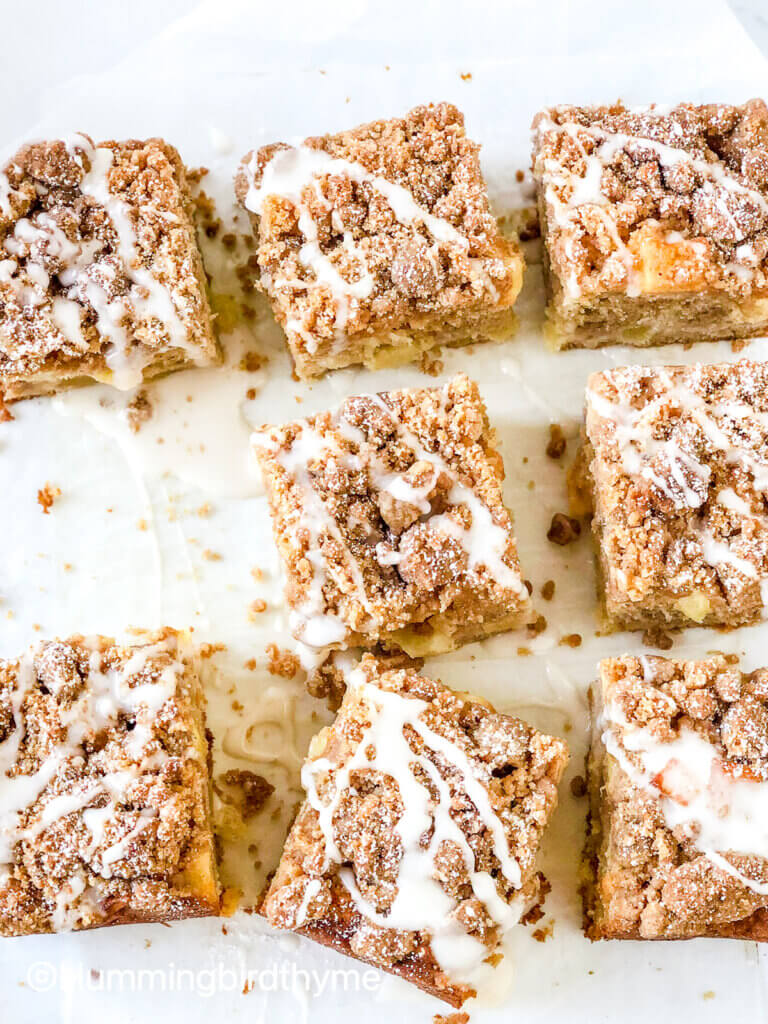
389	519
100	274
104	786
654	222
677	842
378	243
676	458
414	849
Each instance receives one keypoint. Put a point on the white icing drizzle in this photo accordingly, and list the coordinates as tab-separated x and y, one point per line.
287	175
420	904
484	541
103	698
586	190
147	298
637	447
720	813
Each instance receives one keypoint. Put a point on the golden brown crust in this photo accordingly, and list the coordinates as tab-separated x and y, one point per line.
87	289
106	813
410	285
373	508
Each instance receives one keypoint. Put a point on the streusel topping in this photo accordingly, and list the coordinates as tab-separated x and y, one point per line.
424	813
102	780
375	227
690	182
97	259
691	739
389	510
681	476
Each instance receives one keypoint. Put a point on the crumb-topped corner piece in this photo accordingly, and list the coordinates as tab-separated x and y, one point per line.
654	221
389	519
378	243
678	778
414	850
104	786
677	459
100	274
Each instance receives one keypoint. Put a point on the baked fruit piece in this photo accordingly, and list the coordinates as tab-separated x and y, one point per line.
104	786
677	842
654	221
677	462
377	244
389	519
100	275
414	849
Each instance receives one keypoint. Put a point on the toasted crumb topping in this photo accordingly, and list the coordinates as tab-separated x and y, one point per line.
104	815
680	468
687	756
99	269
642	199
376	228
400	740
388	513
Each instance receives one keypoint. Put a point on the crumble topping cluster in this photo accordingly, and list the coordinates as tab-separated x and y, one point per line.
97	258
423	817
375	227
680	470
688	185
104	784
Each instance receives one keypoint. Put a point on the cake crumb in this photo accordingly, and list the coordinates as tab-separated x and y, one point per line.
548	590
208	650
460	1017
138	411
257	574
563	529
431	364
256	607
657	638
46	497
244	790
5	413
538	625
571	640
282	662
578	786
557	444
542	934
211	556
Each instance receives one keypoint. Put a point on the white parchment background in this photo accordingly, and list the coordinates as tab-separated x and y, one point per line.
125	544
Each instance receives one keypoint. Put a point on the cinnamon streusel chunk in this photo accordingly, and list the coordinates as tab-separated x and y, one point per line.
100	275
377	244
104	786
677	459
389	519
655	222
414	849
677	844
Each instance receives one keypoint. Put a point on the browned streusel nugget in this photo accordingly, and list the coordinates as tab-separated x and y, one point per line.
415	847
677	844
389	519
104	786
377	244
654	221
100	274
677	462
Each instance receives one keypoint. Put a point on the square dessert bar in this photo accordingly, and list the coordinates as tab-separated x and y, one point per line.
677	843
414	849
104	786
654	221
100	274
389	519
677	462
377	244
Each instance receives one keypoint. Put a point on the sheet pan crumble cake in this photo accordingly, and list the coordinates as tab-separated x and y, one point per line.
654	221
104	802
100	275
678	780
414	850
378	243
389	519
676	459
